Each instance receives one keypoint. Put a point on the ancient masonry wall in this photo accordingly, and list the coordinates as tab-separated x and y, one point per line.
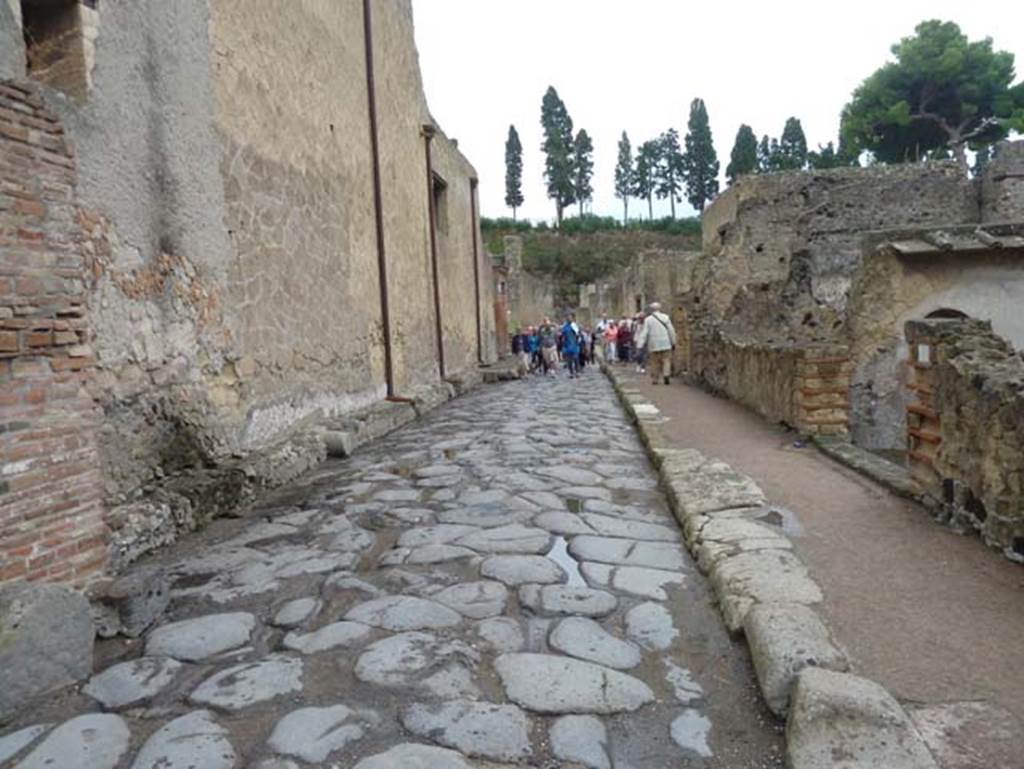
965	427
530	298
226	212
51	516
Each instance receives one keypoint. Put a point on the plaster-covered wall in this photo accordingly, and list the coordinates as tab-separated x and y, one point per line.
891	290
226	194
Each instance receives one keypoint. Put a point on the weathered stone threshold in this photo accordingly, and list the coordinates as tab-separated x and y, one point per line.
766	595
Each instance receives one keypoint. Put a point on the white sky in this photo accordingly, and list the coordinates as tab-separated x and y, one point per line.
635	65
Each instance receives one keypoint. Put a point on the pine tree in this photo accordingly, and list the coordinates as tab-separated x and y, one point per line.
792	146
743	159
643	180
701	160
670	173
624	175
559	171
513	171
823	157
584	168
764	155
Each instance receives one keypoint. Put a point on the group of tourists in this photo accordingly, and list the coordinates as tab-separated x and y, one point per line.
645	340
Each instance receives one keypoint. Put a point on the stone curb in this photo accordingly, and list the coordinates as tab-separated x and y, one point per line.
765	592
888	474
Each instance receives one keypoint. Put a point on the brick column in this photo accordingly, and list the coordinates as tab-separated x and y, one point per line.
51	515
924	434
821	391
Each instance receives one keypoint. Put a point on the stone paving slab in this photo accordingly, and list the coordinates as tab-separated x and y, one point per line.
500	584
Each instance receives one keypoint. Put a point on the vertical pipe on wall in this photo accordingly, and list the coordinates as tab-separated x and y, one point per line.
378	201
476	270
428	134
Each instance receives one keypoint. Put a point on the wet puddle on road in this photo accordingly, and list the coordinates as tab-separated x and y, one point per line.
559	553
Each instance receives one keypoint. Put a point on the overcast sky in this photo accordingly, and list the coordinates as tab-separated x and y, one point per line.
635	65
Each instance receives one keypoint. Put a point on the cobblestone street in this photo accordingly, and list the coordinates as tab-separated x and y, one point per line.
501	583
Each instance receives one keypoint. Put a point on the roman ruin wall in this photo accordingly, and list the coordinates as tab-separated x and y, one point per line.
225	209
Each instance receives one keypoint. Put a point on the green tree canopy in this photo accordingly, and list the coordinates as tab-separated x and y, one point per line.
792	146
624	175
513	171
670	172
644	177
583	166
701	160
941	93
743	159
824	157
560	156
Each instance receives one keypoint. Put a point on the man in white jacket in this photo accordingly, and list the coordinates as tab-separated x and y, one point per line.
658	335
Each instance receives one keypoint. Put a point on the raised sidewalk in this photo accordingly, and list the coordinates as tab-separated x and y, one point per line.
918	612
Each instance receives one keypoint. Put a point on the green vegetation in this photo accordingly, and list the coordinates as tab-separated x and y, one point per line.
743	159
583	167
942	94
701	160
559	154
587	248
513	171
624	173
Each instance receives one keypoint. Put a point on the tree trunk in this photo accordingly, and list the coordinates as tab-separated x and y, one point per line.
625	211
672	200
581	209
513	213
650	207
961	156
558	214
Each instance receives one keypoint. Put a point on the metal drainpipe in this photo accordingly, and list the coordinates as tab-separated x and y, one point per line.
476	270
378	201
428	134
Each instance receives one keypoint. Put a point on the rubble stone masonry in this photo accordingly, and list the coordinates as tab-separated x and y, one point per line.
51	516
965	427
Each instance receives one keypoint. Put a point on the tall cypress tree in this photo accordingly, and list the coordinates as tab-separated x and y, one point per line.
743	159
513	171
670	172
624	175
584	168
764	155
643	180
701	160
559	171
792	146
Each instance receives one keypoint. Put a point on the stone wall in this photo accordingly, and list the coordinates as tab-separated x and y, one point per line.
966	426
1002	186
978	280
531	298
51	517
226	209
793	260
805	387
781	250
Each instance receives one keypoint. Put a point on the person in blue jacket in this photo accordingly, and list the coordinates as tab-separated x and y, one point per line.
571	345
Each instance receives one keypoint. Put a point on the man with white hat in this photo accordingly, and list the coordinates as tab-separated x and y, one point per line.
659	337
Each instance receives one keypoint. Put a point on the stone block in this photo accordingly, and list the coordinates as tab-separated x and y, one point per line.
339	443
131	604
784	639
764	576
837	719
46	642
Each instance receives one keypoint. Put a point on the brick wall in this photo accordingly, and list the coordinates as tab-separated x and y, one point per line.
51	516
821	391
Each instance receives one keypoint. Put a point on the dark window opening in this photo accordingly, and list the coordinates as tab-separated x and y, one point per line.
60	38
440	188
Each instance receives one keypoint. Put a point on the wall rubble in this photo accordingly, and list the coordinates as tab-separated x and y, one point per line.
965	427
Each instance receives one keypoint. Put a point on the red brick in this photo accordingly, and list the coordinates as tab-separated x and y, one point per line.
9	341
39	338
